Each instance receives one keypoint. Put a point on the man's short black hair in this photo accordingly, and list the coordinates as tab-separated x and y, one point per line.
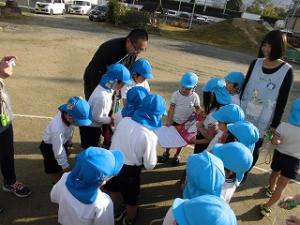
137	34
278	42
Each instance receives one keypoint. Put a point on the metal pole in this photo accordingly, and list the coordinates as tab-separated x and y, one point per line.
225	4
192	16
179	7
204	6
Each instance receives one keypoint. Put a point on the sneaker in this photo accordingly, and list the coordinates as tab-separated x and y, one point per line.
165	157
175	160
18	189
268	192
119	214
127	221
265	210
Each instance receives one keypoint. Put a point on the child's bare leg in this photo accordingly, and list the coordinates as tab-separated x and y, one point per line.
282	182
55	177
131	211
116	197
167	151
178	150
273	180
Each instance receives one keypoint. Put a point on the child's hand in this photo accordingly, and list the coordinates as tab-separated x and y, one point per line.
66	169
6	69
199	125
285	203
112	121
193	141
292	220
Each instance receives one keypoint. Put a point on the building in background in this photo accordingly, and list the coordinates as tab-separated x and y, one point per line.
293	18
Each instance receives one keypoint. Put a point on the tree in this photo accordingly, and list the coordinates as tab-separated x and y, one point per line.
258	6
235	5
273	11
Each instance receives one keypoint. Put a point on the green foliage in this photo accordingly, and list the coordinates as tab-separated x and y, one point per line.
115	12
235	5
273	11
135	19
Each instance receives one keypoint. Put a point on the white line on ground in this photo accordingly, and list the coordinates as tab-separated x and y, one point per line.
189	146
33	116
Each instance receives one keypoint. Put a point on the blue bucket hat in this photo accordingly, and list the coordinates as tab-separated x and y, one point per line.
229	114
245	132
115	72
143	68
151	111
236	77
91	168
135	96
236	157
294	116
218	87
79	109
203	210
205	175
189	80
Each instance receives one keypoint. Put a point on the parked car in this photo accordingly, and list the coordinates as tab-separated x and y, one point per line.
171	13
201	19
81	7
98	13
50	7
185	15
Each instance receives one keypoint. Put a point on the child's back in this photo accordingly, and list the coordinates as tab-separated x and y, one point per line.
72	211
290	139
137	142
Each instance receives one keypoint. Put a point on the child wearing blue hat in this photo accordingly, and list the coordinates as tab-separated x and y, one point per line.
136	138
203	210
286	157
215	95
237	159
226	114
78	194
234	84
135	97
204	175
117	75
58	134
141	71
244	132
183	103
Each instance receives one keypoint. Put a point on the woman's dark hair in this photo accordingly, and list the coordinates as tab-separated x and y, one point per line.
137	34
230	137
208	105
278	42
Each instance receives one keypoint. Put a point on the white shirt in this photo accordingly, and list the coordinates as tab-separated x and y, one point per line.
228	189
210	121
169	218
235	99
137	142
127	87
290	139
57	134
73	212
100	102
184	105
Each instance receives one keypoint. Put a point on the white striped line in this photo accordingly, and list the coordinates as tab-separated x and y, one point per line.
32	116
189	146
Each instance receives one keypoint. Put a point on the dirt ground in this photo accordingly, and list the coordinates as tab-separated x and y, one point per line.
52	55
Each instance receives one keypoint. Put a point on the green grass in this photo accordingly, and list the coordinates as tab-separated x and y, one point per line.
236	34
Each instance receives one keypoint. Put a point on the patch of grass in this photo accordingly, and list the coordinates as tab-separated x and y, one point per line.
236	34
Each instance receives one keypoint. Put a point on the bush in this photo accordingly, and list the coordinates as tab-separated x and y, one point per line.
135	19
115	12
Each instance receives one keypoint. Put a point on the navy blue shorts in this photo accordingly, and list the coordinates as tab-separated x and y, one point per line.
287	165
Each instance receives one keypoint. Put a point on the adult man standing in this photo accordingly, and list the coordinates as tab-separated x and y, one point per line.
122	50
